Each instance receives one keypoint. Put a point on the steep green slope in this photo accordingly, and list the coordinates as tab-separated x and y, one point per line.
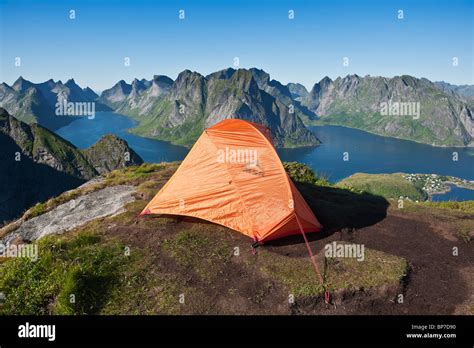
403	107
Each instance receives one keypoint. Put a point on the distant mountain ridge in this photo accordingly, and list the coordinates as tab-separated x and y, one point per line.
466	91
36	102
445	118
178	110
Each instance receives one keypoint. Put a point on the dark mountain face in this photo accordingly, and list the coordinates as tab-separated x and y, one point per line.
297	91
39	164
21	85
76	93
26	182
90	94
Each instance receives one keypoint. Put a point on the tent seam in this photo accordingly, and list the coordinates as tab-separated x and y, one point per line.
247	215
279	162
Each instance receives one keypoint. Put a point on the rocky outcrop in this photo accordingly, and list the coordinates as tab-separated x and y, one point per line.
76	212
110	153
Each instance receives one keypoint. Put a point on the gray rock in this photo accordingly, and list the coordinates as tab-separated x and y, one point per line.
76	212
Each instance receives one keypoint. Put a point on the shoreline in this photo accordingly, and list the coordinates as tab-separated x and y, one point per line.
320	124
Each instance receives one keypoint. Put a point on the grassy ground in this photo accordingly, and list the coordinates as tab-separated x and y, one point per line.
385	185
170	265
455	215
71	276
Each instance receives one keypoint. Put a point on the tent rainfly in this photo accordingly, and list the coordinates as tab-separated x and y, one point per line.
233	176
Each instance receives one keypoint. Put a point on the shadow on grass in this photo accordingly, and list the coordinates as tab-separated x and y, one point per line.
338	209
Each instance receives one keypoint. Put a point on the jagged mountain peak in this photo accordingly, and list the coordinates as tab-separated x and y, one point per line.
245	79
261	76
6	86
188	74
297	90
162	79
186	80
138	85
71	83
21	85
122	84
222	74
325	80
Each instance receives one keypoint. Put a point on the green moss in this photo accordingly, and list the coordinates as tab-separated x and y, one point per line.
135	174
38	209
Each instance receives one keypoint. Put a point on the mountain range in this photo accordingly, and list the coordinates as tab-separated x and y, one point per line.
179	110
36	102
443	117
38	164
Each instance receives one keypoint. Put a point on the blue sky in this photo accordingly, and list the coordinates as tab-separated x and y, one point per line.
92	47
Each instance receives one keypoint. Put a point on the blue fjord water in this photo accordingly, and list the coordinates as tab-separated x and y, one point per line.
84	132
367	152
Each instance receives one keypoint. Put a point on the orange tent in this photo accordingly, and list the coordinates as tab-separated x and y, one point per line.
232	176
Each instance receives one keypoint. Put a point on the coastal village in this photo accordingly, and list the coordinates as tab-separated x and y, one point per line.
437	184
